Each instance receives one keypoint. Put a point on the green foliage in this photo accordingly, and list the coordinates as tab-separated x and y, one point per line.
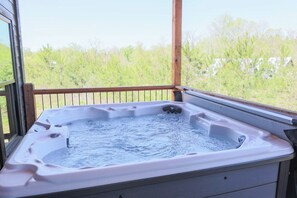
6	73
241	48
6	69
78	67
244	70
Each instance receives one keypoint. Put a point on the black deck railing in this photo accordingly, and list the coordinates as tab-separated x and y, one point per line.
38	100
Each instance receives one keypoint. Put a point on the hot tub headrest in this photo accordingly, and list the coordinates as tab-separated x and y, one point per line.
172	109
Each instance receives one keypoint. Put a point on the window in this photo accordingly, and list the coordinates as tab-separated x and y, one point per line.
8	119
6	66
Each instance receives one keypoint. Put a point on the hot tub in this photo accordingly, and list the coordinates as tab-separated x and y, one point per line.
249	165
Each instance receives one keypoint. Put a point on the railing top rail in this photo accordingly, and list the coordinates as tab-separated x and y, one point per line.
2	93
5	83
100	89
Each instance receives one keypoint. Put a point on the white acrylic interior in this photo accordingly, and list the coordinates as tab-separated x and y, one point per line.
33	176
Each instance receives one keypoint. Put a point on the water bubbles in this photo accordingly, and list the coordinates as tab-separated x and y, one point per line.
97	143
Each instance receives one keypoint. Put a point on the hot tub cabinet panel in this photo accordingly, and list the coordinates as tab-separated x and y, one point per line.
264	191
255	167
238	181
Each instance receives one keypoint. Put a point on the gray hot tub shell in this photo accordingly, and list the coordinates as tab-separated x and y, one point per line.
252	170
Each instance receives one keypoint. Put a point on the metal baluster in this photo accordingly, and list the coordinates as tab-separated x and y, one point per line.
50	99
100	97
93	98
113	97
167	95
65	103
87	99
42	101
78	98
58	100
72	99
144	95
107	97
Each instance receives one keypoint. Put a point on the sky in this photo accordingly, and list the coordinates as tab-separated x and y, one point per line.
4	33
120	23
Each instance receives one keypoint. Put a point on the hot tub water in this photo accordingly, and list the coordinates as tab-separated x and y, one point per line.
96	143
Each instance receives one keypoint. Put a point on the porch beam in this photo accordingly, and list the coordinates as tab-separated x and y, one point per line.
176	41
30	108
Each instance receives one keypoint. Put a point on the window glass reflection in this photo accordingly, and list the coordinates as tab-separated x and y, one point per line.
6	68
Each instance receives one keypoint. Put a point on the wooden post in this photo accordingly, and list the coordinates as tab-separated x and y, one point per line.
29	105
176	41
176	44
